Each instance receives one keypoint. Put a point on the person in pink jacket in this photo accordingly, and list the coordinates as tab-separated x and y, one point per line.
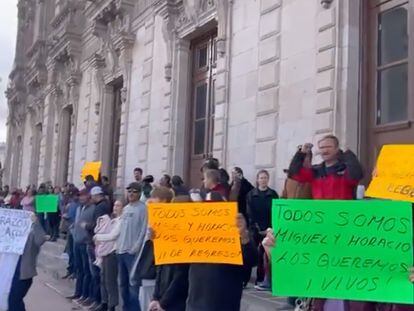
107	232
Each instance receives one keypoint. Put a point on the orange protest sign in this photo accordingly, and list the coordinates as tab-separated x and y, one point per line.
195	233
91	168
394	176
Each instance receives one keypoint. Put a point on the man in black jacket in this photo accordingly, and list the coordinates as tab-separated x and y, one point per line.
240	186
102	207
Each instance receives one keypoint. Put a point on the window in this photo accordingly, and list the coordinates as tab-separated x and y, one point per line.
392	65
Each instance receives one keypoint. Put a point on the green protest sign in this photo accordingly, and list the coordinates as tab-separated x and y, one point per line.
356	250
47	203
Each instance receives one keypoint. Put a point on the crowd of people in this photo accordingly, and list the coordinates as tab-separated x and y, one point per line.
110	245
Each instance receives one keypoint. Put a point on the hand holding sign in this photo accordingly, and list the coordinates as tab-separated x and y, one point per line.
195	232
393	177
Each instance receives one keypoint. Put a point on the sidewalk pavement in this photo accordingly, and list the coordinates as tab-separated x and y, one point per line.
52	266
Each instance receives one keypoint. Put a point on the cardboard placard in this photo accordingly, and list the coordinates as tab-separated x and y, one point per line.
91	168
394	177
355	250
46	203
195	233
14	229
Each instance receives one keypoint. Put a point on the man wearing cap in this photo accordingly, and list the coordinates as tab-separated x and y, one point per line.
134	221
102	207
82	238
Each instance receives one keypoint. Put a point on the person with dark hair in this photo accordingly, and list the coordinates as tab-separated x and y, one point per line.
165	181
215	287
81	238
144	271
225	182
212	183
107	189
138	173
90	182
240	187
15	200
69	215
53	218
146	187
28	201
178	186
171	284
259	210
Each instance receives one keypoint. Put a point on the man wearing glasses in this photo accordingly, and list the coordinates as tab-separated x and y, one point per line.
131	239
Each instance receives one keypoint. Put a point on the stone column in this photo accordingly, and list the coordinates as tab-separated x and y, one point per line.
47	137
268	86
180	97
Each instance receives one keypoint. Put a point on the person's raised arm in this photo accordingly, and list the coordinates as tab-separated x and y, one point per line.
300	168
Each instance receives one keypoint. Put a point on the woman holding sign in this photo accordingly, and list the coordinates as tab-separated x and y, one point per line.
214	287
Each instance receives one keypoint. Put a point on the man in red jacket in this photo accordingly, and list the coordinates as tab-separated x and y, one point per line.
336	178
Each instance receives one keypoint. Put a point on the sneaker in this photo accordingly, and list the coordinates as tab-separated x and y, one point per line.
79	300
87	303
66	276
263	287
73	297
93	306
101	307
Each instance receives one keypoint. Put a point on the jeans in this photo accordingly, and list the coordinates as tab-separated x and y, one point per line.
83	273
109	280
95	275
69	249
129	293
18	291
53	221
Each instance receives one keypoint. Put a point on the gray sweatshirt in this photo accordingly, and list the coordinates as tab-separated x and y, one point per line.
84	214
134	222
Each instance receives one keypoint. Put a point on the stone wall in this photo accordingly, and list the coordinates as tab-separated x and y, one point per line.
287	72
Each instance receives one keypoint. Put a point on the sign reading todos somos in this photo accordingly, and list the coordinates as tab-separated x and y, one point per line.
394	174
195	233
355	250
14	229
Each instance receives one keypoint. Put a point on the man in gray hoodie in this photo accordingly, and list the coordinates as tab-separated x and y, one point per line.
130	242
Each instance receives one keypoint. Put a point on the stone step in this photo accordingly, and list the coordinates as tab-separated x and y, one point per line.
52	259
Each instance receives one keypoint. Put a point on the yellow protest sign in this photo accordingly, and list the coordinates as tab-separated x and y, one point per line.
91	168
195	233
394	176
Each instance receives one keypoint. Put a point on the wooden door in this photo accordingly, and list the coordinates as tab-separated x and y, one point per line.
202	105
389	58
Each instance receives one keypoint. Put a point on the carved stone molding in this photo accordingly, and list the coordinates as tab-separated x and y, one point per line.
112	26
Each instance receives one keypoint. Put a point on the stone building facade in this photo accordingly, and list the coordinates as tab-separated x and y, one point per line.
163	84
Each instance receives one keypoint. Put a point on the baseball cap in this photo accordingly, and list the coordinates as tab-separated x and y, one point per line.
135	186
96	190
